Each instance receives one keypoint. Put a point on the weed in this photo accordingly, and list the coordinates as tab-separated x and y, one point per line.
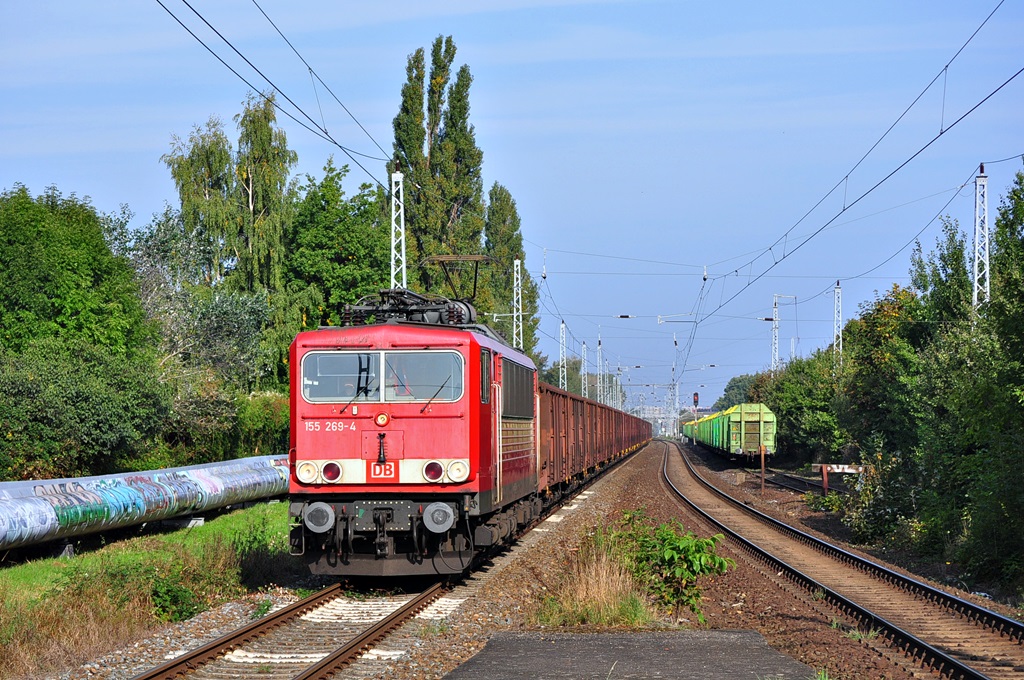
433	628
857	635
831	502
261	609
617	568
58	614
818	595
173	601
666	559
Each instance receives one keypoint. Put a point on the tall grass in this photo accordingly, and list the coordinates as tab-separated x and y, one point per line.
598	590
57	614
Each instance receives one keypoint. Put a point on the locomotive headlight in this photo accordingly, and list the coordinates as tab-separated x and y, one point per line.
331	471
433	471
307	472
458	471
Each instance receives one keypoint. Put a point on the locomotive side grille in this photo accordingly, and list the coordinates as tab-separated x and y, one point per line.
516	437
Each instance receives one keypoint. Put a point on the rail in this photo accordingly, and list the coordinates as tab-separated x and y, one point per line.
914	646
326	667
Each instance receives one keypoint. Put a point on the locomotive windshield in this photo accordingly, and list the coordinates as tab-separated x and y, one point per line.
422	376
341	376
407	376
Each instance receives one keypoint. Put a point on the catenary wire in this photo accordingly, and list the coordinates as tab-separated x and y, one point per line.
318	131
313	73
921	150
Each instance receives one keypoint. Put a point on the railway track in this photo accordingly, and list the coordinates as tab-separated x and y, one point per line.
934	629
312	638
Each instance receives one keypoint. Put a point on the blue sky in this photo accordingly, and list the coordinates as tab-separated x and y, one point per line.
642	141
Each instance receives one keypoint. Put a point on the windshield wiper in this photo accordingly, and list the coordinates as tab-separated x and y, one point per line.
436	393
362	383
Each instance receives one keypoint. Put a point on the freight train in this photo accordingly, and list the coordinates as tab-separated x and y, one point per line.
420	437
740	432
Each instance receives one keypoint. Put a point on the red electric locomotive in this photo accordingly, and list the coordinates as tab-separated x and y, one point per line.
419	436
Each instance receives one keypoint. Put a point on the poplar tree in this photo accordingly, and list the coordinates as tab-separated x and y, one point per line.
503	243
435	148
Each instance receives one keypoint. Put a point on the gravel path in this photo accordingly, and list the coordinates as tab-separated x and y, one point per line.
503	598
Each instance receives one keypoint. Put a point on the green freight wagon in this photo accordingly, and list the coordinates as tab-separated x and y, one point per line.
738	432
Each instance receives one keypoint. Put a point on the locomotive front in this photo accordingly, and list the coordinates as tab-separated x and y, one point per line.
384	470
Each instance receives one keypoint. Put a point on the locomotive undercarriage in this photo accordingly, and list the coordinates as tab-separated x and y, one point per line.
395	537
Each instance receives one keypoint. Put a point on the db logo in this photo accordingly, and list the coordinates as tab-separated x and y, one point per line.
381	472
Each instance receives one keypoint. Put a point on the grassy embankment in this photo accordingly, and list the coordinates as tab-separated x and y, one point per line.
58	613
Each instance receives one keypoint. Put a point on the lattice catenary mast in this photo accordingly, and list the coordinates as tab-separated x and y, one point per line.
517	306
837	331
561	356
982	290
398	232
775	331
583	370
775	334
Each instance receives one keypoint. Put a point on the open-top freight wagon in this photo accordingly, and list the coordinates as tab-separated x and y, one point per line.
739	432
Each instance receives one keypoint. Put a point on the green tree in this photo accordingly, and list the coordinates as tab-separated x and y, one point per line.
879	407
951	365
573	379
237	203
59	278
503	243
204	174
802	397
262	168
70	408
736	392
337	245
996	540
202	328
435	148
880	348
943	280
236	209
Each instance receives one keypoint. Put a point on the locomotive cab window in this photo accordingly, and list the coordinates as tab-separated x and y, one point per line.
423	376
485	376
341	376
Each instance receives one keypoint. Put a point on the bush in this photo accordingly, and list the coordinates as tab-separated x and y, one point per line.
209	424
666	559
261	424
831	502
263	556
69	408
